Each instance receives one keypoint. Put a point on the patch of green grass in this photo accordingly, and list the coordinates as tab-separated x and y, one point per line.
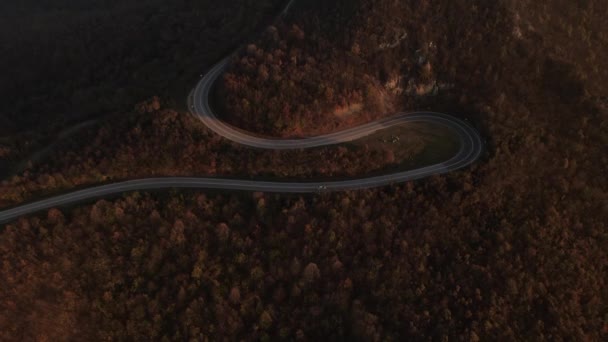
441	143
413	145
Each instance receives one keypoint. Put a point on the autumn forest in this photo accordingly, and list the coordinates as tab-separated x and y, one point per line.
513	247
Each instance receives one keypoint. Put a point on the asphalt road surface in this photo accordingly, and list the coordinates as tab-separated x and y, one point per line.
470	150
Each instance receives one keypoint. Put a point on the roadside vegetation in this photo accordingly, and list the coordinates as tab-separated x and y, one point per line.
163	142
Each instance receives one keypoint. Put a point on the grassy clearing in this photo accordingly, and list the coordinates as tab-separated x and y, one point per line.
401	148
413	145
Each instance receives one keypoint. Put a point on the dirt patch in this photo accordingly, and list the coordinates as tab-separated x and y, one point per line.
344	112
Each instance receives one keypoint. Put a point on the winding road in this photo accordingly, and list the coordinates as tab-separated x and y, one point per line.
471	148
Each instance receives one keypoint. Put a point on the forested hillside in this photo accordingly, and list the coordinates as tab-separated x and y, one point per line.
513	248
312	75
64	62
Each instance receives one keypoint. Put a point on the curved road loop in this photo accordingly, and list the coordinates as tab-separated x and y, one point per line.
470	150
